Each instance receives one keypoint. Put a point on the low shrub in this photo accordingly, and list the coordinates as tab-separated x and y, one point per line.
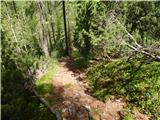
138	81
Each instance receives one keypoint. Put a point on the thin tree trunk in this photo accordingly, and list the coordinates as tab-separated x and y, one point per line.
43	39
69	38
51	23
69	33
48	31
65	28
49	38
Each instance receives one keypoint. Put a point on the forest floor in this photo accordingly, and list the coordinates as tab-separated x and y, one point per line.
73	97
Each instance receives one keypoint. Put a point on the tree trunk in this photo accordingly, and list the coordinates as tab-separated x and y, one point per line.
50	45
43	39
51	23
65	28
69	33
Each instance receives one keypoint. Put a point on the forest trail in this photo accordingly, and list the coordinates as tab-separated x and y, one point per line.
73	99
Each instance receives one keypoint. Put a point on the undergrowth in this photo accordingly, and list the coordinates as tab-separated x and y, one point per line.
138	82
19	103
44	83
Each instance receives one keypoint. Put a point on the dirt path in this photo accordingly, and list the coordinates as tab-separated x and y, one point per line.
70	91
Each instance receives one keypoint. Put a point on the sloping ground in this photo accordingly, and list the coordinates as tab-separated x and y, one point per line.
72	97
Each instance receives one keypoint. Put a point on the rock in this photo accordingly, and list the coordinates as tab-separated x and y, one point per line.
72	110
88	107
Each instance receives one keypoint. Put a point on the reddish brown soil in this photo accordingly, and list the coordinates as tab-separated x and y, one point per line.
75	102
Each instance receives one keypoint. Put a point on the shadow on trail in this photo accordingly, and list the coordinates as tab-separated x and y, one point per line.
77	66
67	97
69	106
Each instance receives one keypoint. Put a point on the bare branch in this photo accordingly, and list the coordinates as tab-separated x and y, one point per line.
139	48
156	57
43	101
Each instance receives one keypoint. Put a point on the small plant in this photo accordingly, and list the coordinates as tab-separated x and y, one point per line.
128	117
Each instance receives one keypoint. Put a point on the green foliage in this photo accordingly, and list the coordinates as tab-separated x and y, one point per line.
93	32
44	83
81	40
143	17
19	103
21	56
137	81
81	63
102	33
127	116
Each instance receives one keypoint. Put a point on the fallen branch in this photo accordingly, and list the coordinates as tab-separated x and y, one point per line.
102	58
156	57
45	103
138	45
139	48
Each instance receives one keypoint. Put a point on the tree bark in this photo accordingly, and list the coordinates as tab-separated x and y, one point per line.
69	33
51	23
43	39
50	45
65	28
